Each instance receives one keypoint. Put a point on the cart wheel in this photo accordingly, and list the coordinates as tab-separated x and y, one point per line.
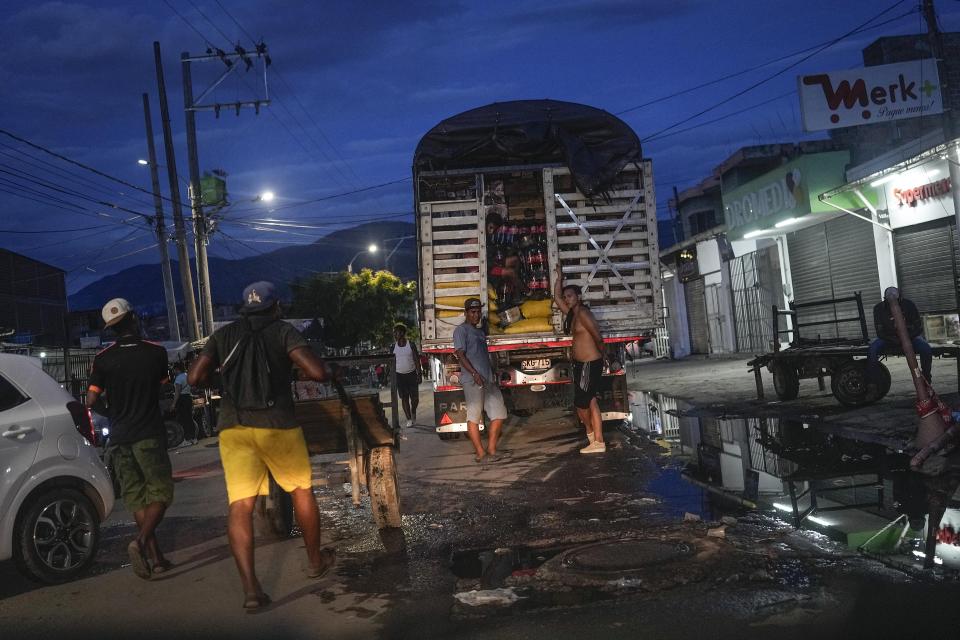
383	487
786	382
849	384
883	385
275	510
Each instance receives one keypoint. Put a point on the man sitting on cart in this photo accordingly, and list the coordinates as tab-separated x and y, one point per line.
887	333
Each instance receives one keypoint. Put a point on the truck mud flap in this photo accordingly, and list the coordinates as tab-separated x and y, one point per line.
450	411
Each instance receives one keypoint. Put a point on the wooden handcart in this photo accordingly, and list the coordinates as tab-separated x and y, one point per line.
352	423
844	360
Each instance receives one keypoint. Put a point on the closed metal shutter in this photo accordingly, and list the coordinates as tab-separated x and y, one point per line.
697	316
853	268
834	260
925	265
810	273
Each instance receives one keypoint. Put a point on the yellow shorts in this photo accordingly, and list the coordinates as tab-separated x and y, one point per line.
247	453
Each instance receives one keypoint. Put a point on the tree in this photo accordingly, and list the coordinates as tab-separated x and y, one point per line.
355	307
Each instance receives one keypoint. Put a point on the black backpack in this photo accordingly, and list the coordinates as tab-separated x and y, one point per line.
245	372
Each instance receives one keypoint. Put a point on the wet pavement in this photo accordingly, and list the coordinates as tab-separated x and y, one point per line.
667	535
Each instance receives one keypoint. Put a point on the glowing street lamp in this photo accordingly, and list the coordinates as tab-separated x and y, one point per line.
372	249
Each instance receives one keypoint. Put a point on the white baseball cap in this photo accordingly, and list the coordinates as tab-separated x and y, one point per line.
115	310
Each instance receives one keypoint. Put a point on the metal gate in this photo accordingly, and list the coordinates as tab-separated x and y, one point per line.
697	316
926	271
753	300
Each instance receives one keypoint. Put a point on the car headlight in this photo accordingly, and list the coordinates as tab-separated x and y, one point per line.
105	431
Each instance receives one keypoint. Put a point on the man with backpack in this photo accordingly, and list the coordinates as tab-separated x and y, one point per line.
259	434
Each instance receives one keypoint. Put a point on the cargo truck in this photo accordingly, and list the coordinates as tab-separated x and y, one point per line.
503	194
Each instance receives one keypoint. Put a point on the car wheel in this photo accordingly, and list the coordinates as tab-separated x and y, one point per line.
174	433
57	536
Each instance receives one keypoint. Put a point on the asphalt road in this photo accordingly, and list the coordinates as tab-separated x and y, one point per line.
761	579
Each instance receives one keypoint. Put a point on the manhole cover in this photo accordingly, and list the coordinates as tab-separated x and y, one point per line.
624	555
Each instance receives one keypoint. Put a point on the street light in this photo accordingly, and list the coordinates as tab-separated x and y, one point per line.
371	250
266	196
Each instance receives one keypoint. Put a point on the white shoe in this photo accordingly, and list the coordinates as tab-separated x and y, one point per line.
409	422
595	447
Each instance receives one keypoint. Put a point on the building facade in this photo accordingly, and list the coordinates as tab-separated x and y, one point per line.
33	300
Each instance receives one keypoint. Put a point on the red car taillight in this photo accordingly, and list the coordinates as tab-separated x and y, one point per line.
82	420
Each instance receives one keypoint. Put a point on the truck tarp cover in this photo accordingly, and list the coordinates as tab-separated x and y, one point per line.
594	144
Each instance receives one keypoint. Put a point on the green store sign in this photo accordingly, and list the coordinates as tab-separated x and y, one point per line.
789	191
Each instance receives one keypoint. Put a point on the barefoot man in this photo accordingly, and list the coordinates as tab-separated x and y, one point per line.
587	360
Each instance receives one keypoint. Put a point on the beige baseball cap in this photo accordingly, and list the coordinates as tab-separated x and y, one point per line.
115	310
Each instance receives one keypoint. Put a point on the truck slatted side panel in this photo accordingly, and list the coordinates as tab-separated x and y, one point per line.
453	264
608	246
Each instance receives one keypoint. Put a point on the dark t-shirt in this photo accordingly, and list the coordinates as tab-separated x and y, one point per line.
130	373
280	338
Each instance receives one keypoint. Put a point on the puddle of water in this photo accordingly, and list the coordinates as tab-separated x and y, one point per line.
493	566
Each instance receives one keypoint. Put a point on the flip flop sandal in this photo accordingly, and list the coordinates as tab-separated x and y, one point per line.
162	567
138	560
255	601
329	558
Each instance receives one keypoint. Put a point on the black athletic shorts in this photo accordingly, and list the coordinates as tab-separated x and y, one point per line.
586	382
407	385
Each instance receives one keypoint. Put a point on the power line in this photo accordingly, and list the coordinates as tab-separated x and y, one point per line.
209	21
101	226
724	117
229	15
7	169
78	163
772	76
325	198
753	68
72	176
188	23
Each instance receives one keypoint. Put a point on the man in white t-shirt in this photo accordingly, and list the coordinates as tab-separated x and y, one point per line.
409	373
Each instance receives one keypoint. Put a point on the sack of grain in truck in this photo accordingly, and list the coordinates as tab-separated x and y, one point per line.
529	325
537	308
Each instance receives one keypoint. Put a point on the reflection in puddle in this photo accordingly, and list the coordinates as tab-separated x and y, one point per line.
847	487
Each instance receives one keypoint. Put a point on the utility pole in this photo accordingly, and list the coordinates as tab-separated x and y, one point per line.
168	292
186	279
201	227
948	119
196	202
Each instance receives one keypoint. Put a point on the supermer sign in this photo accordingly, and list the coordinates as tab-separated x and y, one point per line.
869	95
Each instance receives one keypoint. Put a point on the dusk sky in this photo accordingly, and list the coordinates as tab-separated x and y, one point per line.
356	84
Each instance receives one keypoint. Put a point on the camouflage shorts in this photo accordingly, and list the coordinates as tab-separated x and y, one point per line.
144	472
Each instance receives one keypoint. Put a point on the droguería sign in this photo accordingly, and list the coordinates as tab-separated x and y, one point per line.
869	95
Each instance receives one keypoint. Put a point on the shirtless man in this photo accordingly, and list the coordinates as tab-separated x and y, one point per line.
587	360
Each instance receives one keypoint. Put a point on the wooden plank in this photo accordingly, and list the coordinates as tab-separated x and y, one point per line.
633	222
445	207
459	291
441	263
639	292
455	248
455	221
642	265
459	234
603	238
616	251
457	277
576	196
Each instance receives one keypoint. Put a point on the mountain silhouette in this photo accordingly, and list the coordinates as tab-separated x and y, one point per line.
142	284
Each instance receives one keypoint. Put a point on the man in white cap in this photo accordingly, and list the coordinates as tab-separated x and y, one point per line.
128	375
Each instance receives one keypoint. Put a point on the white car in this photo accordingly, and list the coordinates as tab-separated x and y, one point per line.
54	489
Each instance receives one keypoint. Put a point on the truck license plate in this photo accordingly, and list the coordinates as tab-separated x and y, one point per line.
535	365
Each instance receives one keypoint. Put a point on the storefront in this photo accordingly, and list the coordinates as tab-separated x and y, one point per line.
791	246
917	241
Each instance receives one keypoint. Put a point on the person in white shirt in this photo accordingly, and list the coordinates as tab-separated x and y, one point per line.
409	373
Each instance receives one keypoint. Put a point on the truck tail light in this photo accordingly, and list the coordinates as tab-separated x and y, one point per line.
82	420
